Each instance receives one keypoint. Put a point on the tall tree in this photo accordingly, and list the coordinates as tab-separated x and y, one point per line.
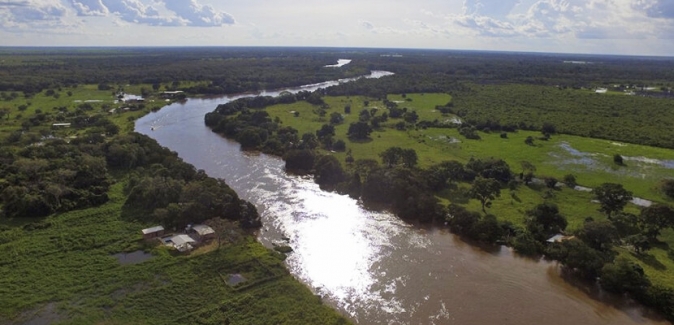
612	197
485	190
545	220
654	219
359	131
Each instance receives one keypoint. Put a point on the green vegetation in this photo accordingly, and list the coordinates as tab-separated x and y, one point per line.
67	260
484	160
74	196
526	204
632	119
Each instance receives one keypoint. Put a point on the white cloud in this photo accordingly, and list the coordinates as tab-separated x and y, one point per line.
366	24
497	8
582	19
195	14
179	12
35	13
90	7
614	26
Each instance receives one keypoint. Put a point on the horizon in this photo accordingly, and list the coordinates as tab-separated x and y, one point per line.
605	27
336	49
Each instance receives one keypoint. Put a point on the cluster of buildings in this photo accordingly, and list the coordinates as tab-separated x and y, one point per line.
194	236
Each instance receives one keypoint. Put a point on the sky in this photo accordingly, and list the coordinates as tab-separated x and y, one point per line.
629	27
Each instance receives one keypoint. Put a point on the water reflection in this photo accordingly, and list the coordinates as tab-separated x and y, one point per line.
372	266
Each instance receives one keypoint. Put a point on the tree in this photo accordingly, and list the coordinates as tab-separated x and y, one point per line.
545	220
548	128
570	181
249	138
347	109
326	130
618	160
328	171
612	197
667	187
624	276
524	243
396	155
654	219
550	182
576	255
409	158
339	145
411	117
599	235
336	118
626	224
485	190
529	141
309	141
639	242
224	229
359	131
364	115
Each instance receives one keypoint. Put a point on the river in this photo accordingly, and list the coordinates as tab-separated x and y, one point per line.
371	266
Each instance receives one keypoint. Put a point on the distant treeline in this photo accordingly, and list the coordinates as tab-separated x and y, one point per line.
234	70
225	71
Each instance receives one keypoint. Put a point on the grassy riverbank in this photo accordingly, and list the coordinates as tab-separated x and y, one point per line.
62	268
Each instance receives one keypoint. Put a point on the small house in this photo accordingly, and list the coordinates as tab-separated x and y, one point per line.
153	232
183	243
558	238
172	94
203	232
61	125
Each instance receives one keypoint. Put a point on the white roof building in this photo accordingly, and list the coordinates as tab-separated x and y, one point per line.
203	230
182	242
152	230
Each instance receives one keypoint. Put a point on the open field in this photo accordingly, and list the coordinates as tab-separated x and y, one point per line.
590	160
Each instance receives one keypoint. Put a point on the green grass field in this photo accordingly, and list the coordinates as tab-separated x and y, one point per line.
433	145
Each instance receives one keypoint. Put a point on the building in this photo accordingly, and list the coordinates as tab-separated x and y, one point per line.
202	232
61	125
153	232
173	94
183	243
559	238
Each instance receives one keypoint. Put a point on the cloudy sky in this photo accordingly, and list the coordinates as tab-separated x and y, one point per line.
644	27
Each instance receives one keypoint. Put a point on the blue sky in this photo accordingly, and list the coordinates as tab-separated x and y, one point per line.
643	27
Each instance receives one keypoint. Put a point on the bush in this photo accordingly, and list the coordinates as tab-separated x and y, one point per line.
570	180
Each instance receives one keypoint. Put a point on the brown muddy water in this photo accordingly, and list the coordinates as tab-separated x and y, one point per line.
371	266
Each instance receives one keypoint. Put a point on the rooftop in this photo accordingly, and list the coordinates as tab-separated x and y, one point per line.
181	240
203	230
152	230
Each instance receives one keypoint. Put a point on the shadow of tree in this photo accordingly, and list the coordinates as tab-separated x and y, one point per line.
650	260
